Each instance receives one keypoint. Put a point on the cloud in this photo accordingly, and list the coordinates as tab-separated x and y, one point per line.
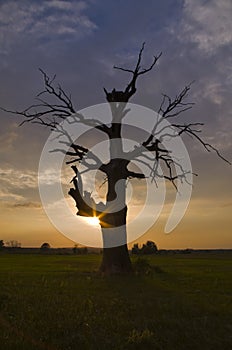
12	178
23	179
206	23
214	92
26	205
14	186
8	139
6	196
44	20
63	5
228	204
12	200
19	188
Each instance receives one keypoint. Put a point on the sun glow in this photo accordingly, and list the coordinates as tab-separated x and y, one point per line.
93	221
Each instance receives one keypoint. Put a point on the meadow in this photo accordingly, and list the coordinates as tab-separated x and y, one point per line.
54	302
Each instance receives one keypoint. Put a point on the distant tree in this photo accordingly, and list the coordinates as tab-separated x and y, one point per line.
187	251
13	244
149	248
85	250
135	249
1	244
45	246
80	250
75	249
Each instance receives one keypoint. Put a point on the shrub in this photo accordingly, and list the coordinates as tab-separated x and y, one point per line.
142	266
45	246
149	248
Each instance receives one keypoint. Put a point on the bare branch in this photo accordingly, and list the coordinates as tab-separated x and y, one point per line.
132	174
59	92
177	105
123	69
187	129
85	204
171	108
50	114
124	96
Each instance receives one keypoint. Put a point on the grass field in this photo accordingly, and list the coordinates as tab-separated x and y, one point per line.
60	302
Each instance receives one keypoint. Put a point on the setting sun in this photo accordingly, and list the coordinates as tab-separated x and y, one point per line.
93	221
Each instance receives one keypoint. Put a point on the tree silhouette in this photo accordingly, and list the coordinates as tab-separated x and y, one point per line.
13	244
149	248
1	244
45	246
113	214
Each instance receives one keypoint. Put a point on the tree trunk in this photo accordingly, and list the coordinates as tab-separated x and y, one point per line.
116	260
113	214
116	257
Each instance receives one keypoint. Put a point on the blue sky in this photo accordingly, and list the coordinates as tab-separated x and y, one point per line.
80	41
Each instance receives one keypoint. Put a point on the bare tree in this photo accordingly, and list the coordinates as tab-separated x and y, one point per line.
113	214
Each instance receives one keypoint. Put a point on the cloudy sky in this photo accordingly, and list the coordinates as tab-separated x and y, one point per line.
80	41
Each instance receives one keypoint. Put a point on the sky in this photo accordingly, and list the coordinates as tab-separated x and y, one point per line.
80	41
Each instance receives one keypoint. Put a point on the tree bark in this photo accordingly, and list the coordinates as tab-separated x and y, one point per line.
116	257
116	260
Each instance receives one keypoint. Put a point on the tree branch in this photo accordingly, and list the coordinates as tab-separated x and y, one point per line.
85	204
50	114
171	108
132	174
130	90
187	129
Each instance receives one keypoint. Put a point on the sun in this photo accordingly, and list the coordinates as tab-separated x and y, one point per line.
93	221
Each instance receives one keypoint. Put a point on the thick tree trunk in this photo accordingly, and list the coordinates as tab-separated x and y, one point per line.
116	260
116	257
112	216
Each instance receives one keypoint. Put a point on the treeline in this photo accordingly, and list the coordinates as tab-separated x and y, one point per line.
9	244
149	248
45	248
145	249
15	247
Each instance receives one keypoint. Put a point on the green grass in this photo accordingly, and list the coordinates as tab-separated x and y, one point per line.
60	302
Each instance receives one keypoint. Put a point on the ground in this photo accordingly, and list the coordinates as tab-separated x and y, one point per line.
60	302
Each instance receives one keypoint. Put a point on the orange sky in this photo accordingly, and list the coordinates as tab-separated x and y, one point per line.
206	224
